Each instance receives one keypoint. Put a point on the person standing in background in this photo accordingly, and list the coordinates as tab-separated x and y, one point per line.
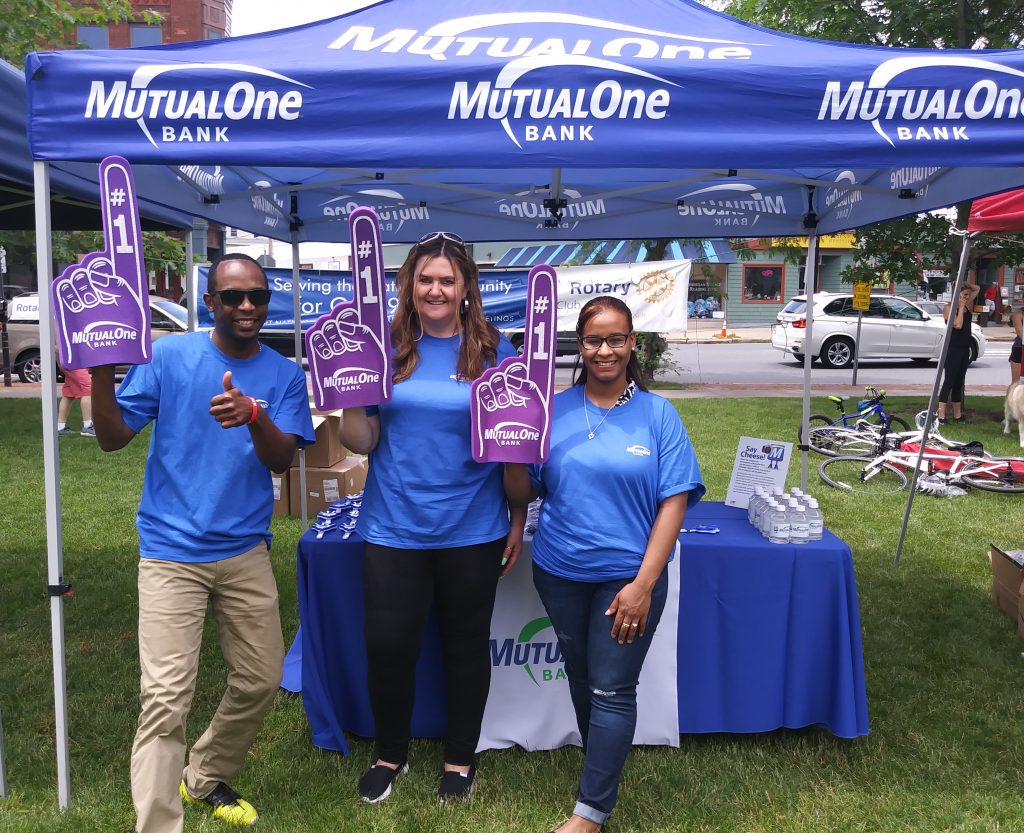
77	386
958	357
1016	320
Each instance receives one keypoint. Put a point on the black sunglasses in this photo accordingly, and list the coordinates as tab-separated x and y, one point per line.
234	297
441	235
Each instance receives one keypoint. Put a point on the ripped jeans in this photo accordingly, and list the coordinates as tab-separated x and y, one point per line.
603	676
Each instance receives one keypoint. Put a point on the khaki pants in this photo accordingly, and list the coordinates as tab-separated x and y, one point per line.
173	598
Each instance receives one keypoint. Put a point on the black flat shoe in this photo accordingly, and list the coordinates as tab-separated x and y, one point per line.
456	785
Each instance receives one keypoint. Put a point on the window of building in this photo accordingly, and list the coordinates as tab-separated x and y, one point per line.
145	35
213	34
763	282
94	37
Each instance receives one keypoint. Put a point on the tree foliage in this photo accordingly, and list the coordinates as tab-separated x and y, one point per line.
31	25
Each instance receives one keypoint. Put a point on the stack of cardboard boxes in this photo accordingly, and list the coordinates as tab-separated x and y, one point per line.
1008	583
331	472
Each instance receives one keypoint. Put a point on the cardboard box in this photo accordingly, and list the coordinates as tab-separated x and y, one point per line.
324	485
282	497
327	450
1007	578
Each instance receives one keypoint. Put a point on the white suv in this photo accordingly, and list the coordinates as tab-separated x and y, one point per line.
893	328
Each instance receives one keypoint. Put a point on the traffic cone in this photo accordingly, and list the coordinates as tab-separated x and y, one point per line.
724	334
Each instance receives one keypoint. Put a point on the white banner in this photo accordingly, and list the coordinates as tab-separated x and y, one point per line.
529	703
656	293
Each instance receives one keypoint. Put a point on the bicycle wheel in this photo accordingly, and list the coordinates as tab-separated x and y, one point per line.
897	423
813	421
833	441
862	475
1008	481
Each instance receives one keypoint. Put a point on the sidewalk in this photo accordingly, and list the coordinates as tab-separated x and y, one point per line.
709	331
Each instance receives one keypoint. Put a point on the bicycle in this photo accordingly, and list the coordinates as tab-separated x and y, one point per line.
886	472
870	417
869	439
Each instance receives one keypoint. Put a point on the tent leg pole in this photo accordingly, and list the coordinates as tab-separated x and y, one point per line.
810	279
3	761
297	313
190	285
965	257
51	479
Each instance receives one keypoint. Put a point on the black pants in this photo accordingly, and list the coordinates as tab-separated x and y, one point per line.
957	361
399	588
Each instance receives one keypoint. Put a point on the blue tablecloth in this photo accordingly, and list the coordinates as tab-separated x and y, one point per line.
769	637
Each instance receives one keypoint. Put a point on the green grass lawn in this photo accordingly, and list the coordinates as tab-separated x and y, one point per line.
944	672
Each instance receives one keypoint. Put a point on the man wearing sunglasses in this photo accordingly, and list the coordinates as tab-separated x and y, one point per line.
225	414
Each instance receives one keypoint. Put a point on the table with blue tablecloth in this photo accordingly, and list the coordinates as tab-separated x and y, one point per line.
766	636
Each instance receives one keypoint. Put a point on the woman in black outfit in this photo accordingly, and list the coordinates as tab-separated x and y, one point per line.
959	355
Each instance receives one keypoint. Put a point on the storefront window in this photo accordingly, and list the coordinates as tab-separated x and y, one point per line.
762	282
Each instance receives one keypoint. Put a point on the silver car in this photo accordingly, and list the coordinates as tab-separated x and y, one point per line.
892	328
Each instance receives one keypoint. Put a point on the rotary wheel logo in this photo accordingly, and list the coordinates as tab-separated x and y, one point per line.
656	286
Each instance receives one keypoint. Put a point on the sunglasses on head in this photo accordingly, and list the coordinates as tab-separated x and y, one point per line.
234	297
441	235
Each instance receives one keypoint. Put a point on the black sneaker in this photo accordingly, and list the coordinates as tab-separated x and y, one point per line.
375	785
456	785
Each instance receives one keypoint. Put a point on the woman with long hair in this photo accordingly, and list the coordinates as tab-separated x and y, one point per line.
435	522
618	480
958	355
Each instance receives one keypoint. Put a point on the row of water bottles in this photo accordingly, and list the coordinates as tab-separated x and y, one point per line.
785	517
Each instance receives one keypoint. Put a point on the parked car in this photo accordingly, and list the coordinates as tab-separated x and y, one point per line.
168	318
565	342
893	328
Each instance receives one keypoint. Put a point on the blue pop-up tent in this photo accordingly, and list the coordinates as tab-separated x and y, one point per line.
541	120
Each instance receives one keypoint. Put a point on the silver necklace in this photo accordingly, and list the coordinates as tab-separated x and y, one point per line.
586	413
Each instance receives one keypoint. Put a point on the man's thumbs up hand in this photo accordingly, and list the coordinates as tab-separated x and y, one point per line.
231	408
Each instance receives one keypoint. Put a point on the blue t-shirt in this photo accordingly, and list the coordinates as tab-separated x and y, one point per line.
206	495
424	490
601	496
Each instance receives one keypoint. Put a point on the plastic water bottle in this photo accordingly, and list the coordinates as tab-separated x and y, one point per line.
798	494
752	507
815	521
763	516
778	524
798	524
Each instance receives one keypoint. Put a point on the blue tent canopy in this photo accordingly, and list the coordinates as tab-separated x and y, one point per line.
74	185
546	120
613	251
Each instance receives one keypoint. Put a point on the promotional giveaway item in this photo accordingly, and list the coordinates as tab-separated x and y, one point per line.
758	462
349	348
101	304
510	405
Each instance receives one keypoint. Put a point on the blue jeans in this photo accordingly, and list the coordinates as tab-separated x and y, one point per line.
602	675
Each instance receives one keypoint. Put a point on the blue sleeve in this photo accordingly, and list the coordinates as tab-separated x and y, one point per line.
139	394
505	349
536	471
293	416
678	470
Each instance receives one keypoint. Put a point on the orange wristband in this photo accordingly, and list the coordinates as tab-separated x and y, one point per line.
255	411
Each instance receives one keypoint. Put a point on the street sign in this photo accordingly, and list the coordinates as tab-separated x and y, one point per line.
861	296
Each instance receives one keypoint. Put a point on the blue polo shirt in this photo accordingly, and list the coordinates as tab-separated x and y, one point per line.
206	495
424	490
601	496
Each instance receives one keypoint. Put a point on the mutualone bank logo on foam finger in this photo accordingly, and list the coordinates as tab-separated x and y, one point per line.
535	94
168	110
535	650
903	103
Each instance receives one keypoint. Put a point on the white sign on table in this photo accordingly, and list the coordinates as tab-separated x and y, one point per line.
758	463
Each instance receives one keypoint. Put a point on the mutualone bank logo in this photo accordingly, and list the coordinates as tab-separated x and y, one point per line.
169	110
730	204
385	201
901	107
105	334
535	650
529	205
559	77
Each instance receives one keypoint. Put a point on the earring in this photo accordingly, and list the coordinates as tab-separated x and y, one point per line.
465	307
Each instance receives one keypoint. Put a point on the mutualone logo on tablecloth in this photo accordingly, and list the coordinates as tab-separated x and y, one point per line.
540	658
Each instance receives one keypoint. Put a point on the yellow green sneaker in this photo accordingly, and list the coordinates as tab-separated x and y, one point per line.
224	804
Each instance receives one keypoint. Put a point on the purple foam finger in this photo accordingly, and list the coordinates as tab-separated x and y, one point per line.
541	328
346	360
121	228
368	282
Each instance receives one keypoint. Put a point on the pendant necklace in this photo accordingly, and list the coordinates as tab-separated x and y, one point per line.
592	431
